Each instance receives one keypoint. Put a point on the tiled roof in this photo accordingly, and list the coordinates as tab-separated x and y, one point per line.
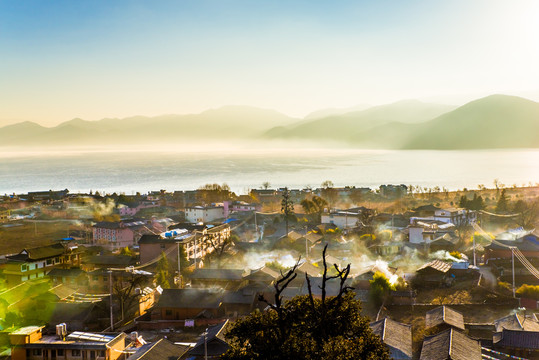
517	339
394	334
160	350
262	274
450	344
214	339
516	322
218	274
309	269
66	272
437	265
38	253
444	315
120	260
191	298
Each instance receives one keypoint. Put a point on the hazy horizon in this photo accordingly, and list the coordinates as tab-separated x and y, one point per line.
95	60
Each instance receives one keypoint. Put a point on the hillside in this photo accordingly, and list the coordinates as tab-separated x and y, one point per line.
230	122
352	123
497	121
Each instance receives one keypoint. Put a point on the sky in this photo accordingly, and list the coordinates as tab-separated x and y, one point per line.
94	59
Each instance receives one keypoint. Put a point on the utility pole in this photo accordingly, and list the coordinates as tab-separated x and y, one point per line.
513	270
179	267
110	290
473	239
205	345
256	228
195	250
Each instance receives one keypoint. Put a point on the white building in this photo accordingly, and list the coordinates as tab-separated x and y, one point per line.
196	214
455	216
425	232
343	219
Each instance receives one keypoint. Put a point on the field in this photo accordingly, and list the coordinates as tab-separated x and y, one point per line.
19	235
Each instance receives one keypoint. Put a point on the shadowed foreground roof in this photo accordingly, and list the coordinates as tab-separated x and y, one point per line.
191	298
444	315
517	339
450	344
215	341
159	350
394	334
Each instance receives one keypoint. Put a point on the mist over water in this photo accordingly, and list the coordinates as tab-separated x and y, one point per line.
244	169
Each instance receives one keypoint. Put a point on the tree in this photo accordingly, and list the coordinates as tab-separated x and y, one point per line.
329	192
287	207
380	288
307	327
314	206
266	185
126	251
220	248
163	272
124	288
502	206
527	213
213	193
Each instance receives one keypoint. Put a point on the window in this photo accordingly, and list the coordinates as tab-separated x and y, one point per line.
75	352
92	354
168	312
36	352
60	352
27	352
102	353
24	267
162	246
49	261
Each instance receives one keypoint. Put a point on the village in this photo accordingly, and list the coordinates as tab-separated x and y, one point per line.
441	274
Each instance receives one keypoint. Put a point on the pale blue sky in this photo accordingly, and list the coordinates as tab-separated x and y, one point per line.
95	59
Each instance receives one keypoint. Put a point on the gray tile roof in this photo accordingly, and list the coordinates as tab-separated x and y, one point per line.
444	315
191	298
516	322
218	274
160	350
438	265
517	339
394	334
450	344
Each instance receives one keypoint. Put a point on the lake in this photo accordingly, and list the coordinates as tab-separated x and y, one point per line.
244	169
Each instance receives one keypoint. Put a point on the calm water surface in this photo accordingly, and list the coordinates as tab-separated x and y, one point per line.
143	171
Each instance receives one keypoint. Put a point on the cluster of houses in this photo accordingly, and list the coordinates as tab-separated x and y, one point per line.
82	280
515	336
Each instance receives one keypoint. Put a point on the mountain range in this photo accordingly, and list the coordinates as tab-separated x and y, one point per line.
496	121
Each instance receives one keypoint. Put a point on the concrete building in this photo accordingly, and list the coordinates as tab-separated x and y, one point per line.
204	214
29	343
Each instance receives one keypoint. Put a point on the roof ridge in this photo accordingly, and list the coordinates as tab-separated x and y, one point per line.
450	340
384	329
151	347
518	320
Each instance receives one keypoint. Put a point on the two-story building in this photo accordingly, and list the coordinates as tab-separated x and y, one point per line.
204	214
34	263
29	343
116	235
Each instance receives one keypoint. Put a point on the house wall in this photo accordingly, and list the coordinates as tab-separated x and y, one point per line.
113	238
340	221
18	272
149	252
416	235
195	215
181	313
